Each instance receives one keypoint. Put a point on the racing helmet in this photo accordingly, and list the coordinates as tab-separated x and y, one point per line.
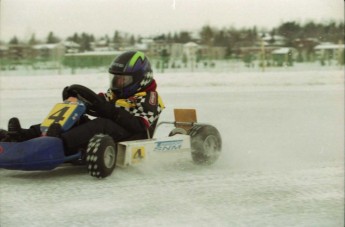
130	72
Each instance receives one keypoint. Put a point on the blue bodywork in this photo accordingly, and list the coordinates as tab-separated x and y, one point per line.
42	153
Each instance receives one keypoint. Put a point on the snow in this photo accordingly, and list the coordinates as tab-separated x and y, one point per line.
330	46
282	162
101	52
46	46
284	50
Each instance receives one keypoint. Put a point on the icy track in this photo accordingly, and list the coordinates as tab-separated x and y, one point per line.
282	162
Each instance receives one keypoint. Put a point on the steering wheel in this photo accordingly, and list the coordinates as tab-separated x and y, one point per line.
84	94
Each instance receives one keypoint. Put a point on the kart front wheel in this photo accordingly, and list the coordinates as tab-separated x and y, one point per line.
101	156
206	144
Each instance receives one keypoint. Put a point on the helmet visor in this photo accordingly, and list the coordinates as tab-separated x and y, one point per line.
120	81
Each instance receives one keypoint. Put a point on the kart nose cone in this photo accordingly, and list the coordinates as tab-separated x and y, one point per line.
43	153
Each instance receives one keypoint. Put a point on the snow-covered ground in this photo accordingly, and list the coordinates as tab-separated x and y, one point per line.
282	162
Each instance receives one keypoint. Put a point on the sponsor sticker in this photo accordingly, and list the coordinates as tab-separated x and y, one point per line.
168	145
153	98
119	65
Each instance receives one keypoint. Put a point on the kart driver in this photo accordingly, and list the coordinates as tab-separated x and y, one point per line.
129	110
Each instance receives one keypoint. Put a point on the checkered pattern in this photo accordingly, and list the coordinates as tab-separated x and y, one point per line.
147	80
139	106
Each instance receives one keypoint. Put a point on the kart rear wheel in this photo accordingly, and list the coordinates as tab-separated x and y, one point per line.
101	156
206	144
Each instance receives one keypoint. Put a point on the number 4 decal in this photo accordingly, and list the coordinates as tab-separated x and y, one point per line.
62	113
138	154
59	115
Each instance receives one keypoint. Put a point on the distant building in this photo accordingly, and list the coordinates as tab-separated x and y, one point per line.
156	48
143	46
329	51
272	40
102	45
176	51
19	52
3	51
71	47
305	48
190	50
283	56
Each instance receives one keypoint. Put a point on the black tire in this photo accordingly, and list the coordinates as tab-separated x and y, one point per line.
101	156
206	144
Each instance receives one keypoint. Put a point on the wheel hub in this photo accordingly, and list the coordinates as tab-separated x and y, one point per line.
210	145
109	156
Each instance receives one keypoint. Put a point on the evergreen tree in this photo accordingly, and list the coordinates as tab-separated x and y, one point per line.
290	30
184	37
14	41
32	40
52	38
175	38
117	39
221	38
206	35
107	39
132	40
169	38
85	42
310	29
75	38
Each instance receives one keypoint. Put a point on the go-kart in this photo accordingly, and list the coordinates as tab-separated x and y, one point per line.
102	154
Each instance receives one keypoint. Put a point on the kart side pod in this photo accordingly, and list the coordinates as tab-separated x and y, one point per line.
133	152
202	140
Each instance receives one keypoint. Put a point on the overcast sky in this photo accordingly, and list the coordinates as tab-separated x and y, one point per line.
151	17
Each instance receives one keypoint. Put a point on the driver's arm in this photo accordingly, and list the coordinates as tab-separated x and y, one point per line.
122	117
